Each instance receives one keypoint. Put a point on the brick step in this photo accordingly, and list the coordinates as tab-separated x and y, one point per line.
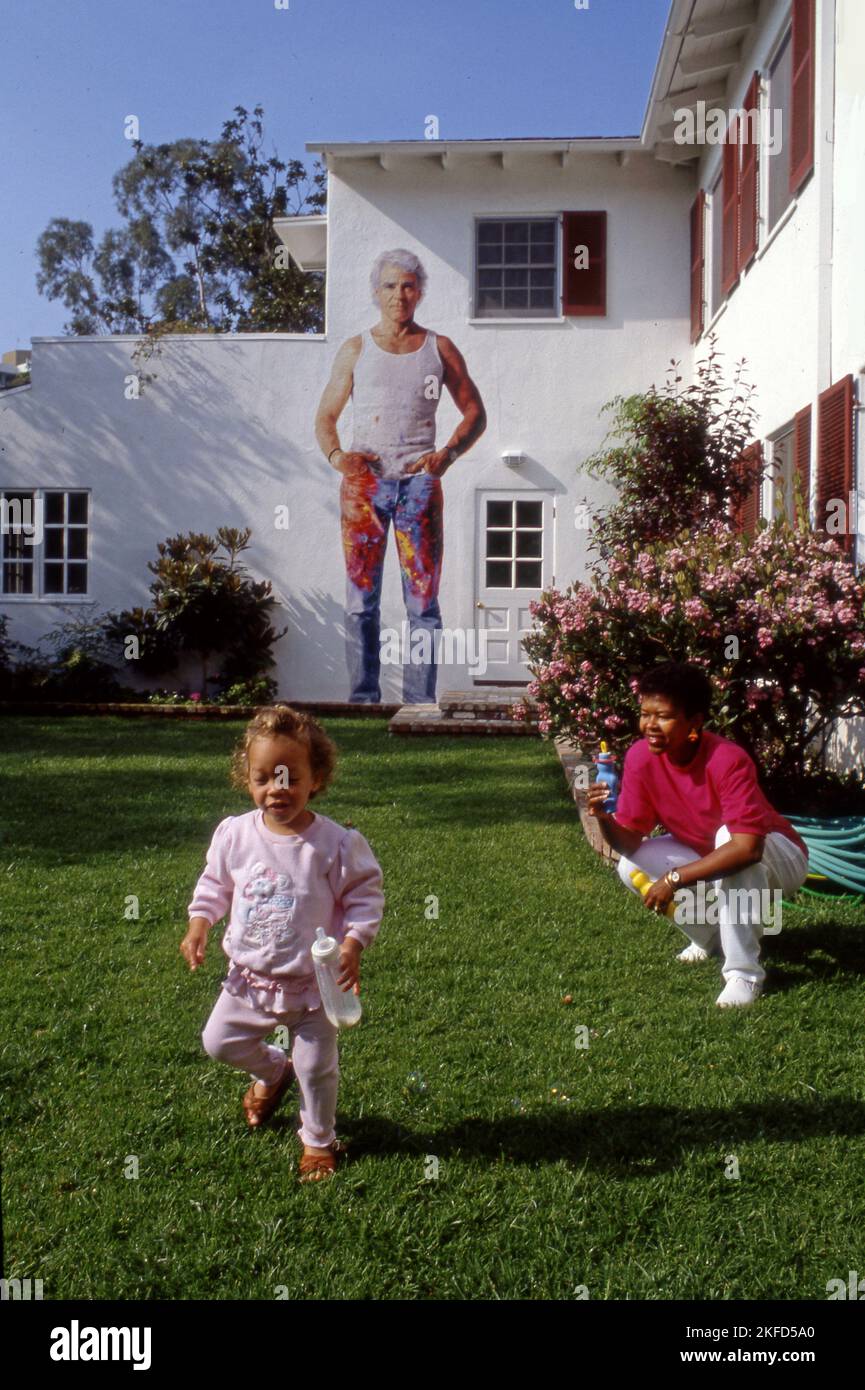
486	704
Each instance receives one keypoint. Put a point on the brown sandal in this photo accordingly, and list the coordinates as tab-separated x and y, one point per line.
314	1167
260	1108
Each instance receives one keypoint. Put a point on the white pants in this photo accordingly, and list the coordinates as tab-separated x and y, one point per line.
739	930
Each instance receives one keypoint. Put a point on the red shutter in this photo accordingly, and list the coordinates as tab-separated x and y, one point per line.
802	99
835	457
750	176
746	514
802	451
698	256
730	227
585	291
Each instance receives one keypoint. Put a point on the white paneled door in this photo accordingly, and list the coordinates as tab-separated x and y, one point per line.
515	561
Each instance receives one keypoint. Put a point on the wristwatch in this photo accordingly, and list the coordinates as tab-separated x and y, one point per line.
673	877
452	455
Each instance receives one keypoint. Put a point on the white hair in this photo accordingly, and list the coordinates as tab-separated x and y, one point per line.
406	260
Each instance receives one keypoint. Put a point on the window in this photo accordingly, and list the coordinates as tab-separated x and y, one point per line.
835	462
780	83
517	268
698	260
513	553
802	456
783	473
801	133
749	175
717	294
747	513
730	214
45	541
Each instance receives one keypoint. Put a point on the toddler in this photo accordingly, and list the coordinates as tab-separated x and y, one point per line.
284	870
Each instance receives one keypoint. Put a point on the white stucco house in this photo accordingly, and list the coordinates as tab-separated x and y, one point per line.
758	240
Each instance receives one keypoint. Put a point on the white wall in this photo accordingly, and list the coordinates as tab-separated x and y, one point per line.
222	437
848	283
543	384
225	433
771	316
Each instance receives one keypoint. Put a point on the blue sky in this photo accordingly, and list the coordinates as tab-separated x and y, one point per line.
72	70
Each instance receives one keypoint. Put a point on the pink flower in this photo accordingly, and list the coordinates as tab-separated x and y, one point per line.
196	695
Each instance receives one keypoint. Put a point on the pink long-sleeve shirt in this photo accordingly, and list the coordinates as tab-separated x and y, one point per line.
279	888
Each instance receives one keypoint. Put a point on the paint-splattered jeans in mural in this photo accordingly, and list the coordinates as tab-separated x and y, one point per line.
368	504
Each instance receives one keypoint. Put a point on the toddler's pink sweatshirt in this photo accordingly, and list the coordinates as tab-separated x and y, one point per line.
281	887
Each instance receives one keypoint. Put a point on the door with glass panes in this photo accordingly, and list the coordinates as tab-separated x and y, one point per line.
515	562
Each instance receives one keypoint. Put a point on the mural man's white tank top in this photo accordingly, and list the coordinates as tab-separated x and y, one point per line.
395	396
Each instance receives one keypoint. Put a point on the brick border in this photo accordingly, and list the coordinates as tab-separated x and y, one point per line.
572	758
195	711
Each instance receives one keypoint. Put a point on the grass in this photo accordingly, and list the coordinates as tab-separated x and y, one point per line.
558	1166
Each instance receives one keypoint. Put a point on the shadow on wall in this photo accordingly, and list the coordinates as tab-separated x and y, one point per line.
310	657
223	436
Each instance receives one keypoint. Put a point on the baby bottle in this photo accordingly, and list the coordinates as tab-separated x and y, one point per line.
341	1006
606	765
643	883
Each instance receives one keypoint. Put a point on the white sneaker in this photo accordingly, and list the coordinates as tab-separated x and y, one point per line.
738	992
692	954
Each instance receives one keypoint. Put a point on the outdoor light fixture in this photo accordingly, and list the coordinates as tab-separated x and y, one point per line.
512	458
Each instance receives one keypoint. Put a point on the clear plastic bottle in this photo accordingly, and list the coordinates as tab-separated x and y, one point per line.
341	1006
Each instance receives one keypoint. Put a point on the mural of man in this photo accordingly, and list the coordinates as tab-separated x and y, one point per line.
392	471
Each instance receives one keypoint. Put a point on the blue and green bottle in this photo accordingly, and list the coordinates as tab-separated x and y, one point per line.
606	765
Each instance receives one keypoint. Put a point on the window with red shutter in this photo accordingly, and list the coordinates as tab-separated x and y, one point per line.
745	516
802	452
835	461
750	176
584	290
801	134
698	260
730	231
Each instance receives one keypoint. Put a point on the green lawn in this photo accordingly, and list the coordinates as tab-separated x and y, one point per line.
615	1180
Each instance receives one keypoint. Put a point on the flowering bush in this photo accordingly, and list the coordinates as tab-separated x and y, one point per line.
678	460
777	620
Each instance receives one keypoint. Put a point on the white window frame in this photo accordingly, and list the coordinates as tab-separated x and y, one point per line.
516	497
781	442
767	233
502	316
714	193
38	547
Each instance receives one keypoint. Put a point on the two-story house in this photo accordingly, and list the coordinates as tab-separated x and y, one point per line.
755	235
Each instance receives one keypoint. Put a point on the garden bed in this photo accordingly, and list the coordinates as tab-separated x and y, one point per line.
191	711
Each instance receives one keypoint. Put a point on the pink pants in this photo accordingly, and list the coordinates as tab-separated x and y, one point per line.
235	1034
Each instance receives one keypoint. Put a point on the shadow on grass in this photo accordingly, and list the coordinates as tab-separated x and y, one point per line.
625	1142
815	951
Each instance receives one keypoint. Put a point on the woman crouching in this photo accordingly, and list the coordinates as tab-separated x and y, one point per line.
722	831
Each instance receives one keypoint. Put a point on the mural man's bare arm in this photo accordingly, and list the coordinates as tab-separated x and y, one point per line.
333	401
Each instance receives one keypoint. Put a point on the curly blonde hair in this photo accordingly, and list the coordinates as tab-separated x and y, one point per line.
282	721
